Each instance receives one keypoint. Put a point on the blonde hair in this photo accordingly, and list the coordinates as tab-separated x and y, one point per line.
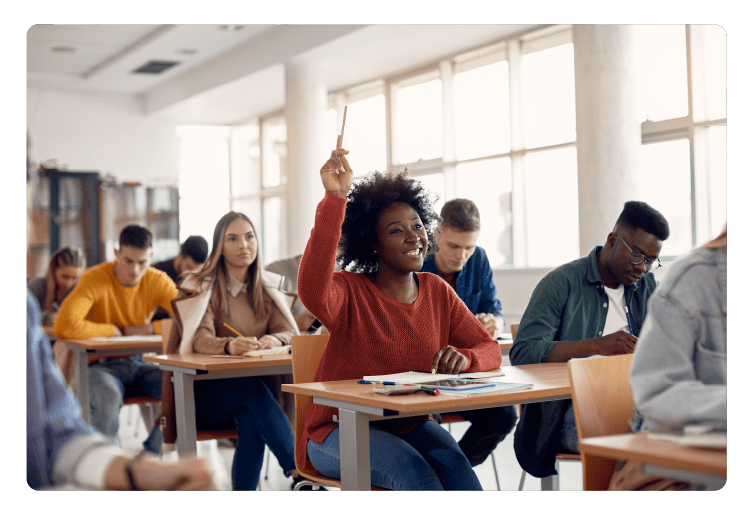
65	256
215	268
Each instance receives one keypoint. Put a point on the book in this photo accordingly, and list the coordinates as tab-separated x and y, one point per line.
491	387
415	377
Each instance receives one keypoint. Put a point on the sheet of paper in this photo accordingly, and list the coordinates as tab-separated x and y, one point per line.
717	440
417	377
141	337
270	351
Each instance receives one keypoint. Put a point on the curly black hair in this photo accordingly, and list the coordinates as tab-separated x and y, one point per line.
365	202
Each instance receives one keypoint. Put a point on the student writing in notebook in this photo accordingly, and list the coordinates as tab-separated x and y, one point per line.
384	317
112	299
229	290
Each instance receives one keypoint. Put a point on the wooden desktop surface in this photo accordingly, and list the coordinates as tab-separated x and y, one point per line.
657	452
208	363
549	381
93	345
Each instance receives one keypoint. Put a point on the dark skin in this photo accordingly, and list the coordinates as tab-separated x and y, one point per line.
401	247
614	264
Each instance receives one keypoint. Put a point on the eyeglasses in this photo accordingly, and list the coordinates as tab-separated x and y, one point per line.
638	258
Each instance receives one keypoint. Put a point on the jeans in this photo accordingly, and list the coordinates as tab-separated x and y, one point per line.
488	428
112	379
247	404
567	438
428	458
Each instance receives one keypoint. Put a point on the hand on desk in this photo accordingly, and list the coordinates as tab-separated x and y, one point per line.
619	342
187	474
135	330
448	360
241	344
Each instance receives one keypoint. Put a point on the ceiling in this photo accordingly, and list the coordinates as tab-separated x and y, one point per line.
226	74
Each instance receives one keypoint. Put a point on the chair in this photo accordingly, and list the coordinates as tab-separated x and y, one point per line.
306	353
602	406
548	483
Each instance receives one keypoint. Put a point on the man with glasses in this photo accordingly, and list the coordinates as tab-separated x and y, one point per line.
591	306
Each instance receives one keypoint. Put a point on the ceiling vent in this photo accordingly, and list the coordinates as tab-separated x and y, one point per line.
155	67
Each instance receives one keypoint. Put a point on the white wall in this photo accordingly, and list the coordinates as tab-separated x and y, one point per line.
107	133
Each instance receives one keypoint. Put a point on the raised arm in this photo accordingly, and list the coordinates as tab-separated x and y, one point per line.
317	287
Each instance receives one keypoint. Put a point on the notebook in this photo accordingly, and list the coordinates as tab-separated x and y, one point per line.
418	377
270	351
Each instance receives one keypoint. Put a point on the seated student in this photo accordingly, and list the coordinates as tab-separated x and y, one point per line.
679	371
192	255
288	268
578	310
112	299
464	265
228	290
385	317
65	269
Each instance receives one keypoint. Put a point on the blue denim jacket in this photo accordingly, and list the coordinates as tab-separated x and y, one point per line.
53	417
679	371
474	284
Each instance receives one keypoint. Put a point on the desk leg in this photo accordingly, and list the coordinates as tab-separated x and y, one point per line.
185	413
81	384
354	450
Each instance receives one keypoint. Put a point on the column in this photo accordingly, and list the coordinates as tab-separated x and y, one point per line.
306	101
608	131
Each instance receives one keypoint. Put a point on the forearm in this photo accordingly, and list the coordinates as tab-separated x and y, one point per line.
566	350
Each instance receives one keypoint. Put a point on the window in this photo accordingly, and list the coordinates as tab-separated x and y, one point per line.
419	122
365	135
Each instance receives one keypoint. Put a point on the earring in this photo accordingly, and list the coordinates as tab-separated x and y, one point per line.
375	251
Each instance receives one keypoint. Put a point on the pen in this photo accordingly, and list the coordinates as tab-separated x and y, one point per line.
628	319
384	383
223	355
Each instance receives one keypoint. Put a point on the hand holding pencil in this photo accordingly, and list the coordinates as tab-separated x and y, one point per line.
336	174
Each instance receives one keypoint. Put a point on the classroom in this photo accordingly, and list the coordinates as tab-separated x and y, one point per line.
548	129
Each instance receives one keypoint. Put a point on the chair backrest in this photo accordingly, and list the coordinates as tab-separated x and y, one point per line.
514	328
602	406
601	395
166	328
306	353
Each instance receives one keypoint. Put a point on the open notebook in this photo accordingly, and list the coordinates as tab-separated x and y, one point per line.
270	351
417	377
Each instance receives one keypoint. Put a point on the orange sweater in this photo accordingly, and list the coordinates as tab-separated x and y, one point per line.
372	334
99	302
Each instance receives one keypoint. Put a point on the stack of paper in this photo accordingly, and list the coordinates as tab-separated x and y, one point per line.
417	377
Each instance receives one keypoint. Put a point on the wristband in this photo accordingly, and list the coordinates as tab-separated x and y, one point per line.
129	471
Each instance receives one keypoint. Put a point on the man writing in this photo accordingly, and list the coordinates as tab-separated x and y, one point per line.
591	306
118	298
466	268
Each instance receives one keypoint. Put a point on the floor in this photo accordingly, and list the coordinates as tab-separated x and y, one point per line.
219	457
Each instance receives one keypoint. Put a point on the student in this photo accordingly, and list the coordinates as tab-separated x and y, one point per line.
288	268
679	371
464	265
578	310
112	299
192	255
228	290
385	317
65	269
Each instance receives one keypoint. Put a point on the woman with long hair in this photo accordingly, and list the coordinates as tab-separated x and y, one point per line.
229	290
65	269
384	316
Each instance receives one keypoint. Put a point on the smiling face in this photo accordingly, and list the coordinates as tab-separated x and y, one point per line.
456	247
402	240
616	267
239	246
67	276
131	264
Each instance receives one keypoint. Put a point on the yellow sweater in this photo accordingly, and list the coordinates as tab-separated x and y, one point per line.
99	302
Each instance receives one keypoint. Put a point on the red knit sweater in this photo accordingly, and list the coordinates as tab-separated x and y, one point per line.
372	334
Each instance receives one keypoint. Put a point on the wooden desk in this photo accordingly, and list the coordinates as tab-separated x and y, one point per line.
358	405
187	368
666	459
85	348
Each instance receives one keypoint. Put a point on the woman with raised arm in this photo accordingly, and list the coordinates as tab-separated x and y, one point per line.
228	290
384	317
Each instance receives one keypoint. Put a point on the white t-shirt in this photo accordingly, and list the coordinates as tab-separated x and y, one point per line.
616	319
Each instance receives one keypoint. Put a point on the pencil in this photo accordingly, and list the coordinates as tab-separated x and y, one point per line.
231	329
341	137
